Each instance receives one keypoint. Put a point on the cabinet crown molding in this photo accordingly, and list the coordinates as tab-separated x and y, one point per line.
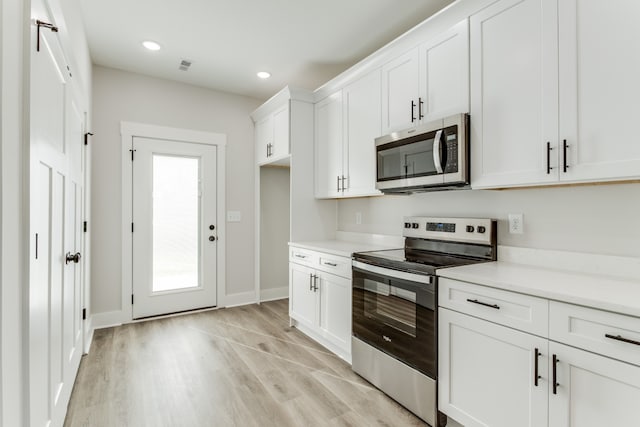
288	93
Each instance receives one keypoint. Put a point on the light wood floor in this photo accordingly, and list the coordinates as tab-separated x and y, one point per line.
242	366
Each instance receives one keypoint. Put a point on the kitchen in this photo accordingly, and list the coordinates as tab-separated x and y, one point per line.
565	206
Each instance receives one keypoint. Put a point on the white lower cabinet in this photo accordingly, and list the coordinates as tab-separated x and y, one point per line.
492	375
593	391
320	300
487	373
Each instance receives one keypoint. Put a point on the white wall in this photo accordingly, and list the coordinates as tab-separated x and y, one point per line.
13	19
123	96
600	219
274	229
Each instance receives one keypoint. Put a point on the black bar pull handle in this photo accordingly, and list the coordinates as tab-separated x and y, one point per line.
475	301
565	166
413	108
555	374
536	376
315	283
310	281
549	148
622	339
420	104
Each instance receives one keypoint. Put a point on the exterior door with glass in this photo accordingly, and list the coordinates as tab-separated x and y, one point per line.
174	226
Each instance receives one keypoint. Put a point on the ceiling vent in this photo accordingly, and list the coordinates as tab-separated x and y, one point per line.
184	65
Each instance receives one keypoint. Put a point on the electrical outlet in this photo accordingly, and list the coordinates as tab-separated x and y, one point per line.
516	223
234	216
358	217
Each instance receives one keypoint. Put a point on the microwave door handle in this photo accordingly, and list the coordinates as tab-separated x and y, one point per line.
437	160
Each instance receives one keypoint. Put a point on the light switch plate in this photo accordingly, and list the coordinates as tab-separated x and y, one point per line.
234	216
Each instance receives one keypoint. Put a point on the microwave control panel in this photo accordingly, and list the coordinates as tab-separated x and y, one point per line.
451	140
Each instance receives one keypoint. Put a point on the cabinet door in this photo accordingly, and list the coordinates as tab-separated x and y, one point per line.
303	298
281	132
599	69
361	113
400	88
335	309
444	74
593	391
328	146
514	93
264	136
486	373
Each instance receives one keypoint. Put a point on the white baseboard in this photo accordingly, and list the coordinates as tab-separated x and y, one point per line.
88	338
241	298
274	294
107	319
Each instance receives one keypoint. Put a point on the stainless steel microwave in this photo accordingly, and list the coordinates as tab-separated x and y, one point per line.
432	156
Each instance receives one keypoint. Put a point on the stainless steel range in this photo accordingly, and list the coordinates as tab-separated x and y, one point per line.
395	327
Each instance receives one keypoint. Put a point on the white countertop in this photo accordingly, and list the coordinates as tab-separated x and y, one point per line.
341	247
604	292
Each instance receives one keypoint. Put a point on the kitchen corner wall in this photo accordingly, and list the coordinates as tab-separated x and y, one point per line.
123	96
603	219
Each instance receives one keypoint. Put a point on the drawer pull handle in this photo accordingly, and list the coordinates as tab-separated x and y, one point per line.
475	301
536	377
300	256
555	374
620	338
330	263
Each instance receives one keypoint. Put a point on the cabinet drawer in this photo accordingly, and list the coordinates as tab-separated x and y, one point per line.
338	265
303	256
523	312
610	334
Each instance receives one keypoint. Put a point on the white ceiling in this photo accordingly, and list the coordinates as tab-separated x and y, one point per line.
302	43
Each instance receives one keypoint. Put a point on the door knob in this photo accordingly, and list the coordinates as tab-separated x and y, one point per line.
72	257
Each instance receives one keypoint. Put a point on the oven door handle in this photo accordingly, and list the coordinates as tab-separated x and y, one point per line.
437	158
393	274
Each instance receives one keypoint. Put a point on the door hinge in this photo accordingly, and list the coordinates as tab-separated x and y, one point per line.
86	137
132	227
132	151
84	226
131	299
84	314
40	23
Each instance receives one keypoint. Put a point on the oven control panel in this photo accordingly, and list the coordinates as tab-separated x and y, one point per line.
471	230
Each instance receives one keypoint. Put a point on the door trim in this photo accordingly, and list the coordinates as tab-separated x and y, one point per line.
129	130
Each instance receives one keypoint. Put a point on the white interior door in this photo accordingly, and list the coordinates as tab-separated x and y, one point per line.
174	226
55	323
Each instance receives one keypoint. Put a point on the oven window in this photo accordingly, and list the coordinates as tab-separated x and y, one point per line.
392	306
410	160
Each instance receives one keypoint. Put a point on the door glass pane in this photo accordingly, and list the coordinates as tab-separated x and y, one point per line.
176	207
390	305
406	161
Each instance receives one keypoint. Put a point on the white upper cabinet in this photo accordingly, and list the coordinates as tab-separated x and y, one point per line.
280	146
346	125
444	74
400	92
514	98
553	92
599	68
264	137
361	114
272	136
328	146
428	82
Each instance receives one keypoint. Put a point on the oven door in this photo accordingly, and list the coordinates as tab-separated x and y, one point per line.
395	312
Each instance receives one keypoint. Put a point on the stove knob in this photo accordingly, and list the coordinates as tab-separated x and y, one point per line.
415	225
407	225
470	229
481	229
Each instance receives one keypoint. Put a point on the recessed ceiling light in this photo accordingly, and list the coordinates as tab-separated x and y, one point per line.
151	45
263	74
